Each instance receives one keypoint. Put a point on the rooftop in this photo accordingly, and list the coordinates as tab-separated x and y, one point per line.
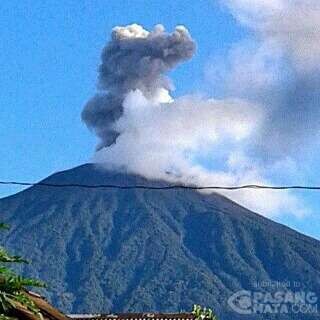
134	316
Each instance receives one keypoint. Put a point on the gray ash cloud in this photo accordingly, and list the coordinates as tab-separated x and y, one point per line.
133	59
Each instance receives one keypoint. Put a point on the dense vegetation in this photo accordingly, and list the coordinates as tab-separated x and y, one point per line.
141	250
13	286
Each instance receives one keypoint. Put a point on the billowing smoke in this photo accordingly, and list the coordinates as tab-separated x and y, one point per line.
280	69
190	139
134	59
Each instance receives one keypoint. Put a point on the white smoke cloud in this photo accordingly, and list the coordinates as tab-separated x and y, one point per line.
293	25
160	141
161	138
164	136
279	69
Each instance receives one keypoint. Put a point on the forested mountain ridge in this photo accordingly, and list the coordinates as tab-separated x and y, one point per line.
104	250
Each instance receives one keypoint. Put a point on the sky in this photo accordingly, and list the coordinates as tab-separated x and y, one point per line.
49	60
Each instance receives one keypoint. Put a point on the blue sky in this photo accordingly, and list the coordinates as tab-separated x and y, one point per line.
50	52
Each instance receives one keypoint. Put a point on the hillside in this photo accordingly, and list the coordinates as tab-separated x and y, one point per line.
147	250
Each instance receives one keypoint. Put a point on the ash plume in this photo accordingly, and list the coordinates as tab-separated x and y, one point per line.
143	130
134	59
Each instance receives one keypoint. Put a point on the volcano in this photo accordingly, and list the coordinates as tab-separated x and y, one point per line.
110	250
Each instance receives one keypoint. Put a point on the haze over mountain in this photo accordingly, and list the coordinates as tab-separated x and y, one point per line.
104	250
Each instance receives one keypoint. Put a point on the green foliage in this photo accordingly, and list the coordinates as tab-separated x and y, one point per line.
201	313
13	286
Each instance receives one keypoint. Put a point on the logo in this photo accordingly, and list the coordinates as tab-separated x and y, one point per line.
241	302
278	302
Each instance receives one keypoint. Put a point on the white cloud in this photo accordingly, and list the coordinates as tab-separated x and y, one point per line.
293	25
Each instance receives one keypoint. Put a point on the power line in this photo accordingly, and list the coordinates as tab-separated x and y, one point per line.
169	187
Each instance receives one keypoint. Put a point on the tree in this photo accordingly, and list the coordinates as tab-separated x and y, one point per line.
201	313
13	287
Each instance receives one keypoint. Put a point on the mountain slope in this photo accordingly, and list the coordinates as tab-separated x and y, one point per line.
147	250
